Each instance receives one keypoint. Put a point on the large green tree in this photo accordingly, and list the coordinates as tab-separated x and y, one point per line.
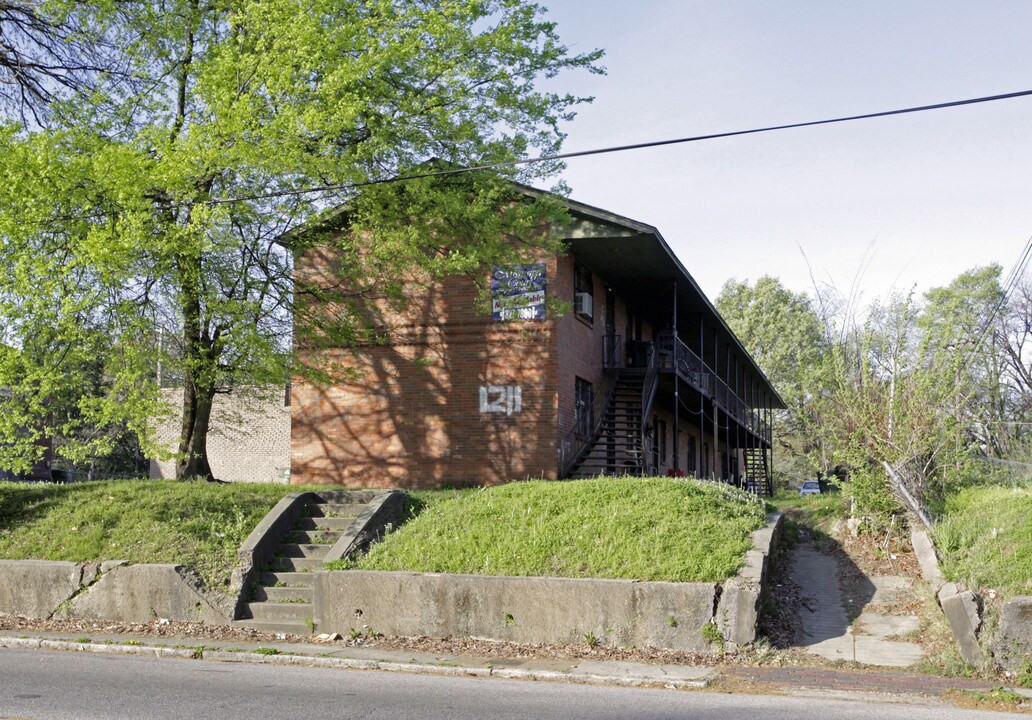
916	384
785	335
147	225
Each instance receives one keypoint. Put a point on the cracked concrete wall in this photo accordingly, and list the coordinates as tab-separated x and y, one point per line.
109	591
1015	643
739	606
961	611
516	609
36	588
549	610
958	605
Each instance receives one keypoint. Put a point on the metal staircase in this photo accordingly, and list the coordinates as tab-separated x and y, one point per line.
617	450
757	469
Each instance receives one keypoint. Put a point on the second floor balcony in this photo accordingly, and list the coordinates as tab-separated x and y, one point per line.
747	408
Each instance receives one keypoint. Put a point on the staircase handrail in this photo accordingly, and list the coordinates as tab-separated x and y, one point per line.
573	445
648	395
703	378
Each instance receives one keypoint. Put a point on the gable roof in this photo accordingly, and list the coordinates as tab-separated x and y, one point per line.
631	255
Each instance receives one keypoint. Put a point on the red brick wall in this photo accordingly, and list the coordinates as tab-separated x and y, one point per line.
413	416
580	342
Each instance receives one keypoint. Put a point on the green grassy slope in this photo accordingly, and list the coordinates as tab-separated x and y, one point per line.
195	524
985	539
632	528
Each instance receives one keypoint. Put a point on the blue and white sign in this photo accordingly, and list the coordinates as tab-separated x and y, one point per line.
518	292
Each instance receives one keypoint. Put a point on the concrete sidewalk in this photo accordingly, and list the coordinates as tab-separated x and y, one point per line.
827	631
897	687
317	655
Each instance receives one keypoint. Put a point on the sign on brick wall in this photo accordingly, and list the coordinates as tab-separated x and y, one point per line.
507	399
518	292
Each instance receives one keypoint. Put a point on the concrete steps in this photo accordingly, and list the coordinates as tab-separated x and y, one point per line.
274	627
282	600
276	594
336	510
324	524
294	564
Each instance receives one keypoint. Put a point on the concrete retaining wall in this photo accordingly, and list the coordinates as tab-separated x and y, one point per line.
1012	646
106	591
36	588
524	610
739	607
515	609
549	610
1015	643
958	605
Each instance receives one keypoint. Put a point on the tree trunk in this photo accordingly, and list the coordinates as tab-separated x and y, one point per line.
199	377
193	443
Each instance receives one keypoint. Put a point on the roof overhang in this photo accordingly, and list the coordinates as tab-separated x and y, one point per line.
634	260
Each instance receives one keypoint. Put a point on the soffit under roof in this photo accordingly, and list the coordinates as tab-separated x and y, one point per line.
636	262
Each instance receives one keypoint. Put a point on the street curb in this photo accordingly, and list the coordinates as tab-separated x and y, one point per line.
99	648
199	653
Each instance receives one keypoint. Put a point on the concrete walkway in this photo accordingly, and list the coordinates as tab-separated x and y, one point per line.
827	631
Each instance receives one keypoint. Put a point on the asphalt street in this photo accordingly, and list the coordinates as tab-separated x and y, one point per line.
53	684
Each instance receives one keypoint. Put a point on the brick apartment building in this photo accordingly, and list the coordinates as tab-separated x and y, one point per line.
641	376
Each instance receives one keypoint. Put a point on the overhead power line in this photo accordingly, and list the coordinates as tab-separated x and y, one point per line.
618	148
1009	286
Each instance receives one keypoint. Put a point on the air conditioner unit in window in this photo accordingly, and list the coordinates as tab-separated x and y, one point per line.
582	304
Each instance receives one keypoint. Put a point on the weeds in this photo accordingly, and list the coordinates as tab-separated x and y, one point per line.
985	538
711	634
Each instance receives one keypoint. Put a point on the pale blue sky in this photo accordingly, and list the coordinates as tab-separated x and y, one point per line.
925	196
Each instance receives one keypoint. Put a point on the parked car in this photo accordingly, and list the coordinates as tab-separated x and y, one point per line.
809	487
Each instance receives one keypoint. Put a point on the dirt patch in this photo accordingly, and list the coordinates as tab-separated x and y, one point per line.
870	555
878	554
190	633
193	634
998	700
779	607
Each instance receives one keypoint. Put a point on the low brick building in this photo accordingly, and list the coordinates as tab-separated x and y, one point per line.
640	376
249	437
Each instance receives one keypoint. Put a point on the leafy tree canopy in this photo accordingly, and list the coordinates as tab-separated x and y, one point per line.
152	208
786	337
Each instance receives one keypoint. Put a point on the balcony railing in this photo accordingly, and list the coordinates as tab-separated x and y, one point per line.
696	373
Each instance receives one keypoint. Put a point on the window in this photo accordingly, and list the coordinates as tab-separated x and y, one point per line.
583	292
582	407
689	461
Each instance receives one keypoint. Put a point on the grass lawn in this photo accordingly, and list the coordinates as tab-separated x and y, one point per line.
631	528
985	538
196	524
